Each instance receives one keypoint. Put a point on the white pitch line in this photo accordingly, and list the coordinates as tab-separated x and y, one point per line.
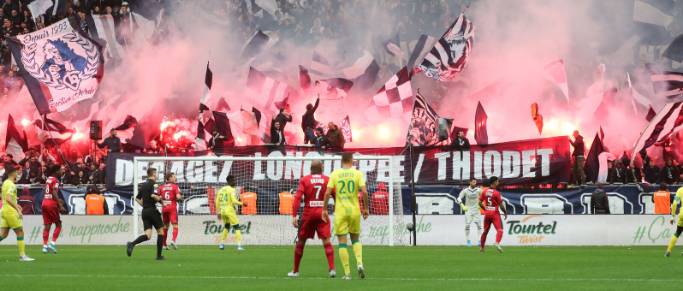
325	278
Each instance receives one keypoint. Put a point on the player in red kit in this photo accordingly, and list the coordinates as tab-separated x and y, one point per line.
312	188
493	202
170	193
51	207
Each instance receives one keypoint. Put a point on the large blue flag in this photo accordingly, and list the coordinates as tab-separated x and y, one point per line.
60	64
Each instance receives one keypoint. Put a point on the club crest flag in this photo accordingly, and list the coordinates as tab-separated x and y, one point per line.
60	64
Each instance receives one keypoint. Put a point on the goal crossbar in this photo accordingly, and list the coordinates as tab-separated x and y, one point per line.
390	159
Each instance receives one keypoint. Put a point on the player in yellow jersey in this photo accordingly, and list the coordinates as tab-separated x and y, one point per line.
679	228
347	182
225	201
11	213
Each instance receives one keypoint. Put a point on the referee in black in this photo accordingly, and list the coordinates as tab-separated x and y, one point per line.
147	198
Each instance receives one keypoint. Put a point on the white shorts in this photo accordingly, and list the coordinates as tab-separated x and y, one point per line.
473	216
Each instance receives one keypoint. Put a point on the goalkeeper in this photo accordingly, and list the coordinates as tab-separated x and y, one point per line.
225	207
679	227
471	208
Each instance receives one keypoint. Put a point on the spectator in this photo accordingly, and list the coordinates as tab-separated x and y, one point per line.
651	172
579	149
41	176
599	201
153	148
317	29
217	141
461	143
26	202
95	204
91	173
100	175
15	18
619	174
379	202
336	136
662	200
635	176
610	172
283	118
308	122
113	143
25	174
276	135
322	141
669	173
11	82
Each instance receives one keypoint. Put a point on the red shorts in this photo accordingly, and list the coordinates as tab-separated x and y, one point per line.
50	213
492	218
170	214
309	227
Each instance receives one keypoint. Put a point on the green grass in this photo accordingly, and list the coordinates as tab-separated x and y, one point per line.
388	268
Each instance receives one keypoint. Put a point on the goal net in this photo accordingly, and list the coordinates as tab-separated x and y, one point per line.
268	185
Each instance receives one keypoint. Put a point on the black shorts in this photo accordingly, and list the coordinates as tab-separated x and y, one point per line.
151	217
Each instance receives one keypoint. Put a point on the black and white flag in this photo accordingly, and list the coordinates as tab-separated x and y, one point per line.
102	27
206	94
258	43
363	72
321	68
667	84
423	126
667	122
15	143
394	99
269	95
422	48
450	54
53	131
124	131
200	141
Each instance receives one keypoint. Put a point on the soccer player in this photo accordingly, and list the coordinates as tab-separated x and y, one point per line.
312	188
471	208
225	207
679	227
493	202
170	194
51	208
11	212
347	182
147	198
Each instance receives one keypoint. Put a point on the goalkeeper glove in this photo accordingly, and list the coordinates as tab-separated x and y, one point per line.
464	208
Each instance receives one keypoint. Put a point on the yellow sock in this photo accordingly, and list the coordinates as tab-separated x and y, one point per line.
225	234
238	235
344	256
22	246
358	251
672	242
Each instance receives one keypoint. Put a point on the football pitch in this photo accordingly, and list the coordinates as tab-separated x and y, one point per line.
388	268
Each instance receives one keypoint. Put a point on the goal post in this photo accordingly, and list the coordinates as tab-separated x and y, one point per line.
272	183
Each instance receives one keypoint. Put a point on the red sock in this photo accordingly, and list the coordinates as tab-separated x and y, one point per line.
298	253
175	233
165	235
46	236
329	252
55	234
483	239
499	236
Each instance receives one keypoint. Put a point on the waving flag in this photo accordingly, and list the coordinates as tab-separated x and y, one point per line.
304	79
423	125
224	129
39	7
102	27
15	143
450	54
480	120
422	48
394	99
124	131
650	114
52	130
320	67
222	105
59	68
363	72
258	43
667	122
667	84
642	100
206	95
592	167
270	94
556	74
200	141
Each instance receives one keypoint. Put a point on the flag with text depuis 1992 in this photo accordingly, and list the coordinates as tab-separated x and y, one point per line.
60	65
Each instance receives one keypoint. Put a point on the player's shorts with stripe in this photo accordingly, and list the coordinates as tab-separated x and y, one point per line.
310	226
10	219
170	215
230	218
151	218
472	216
492	219
50	213
347	224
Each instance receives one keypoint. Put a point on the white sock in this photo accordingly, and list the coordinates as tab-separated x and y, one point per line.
44	246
